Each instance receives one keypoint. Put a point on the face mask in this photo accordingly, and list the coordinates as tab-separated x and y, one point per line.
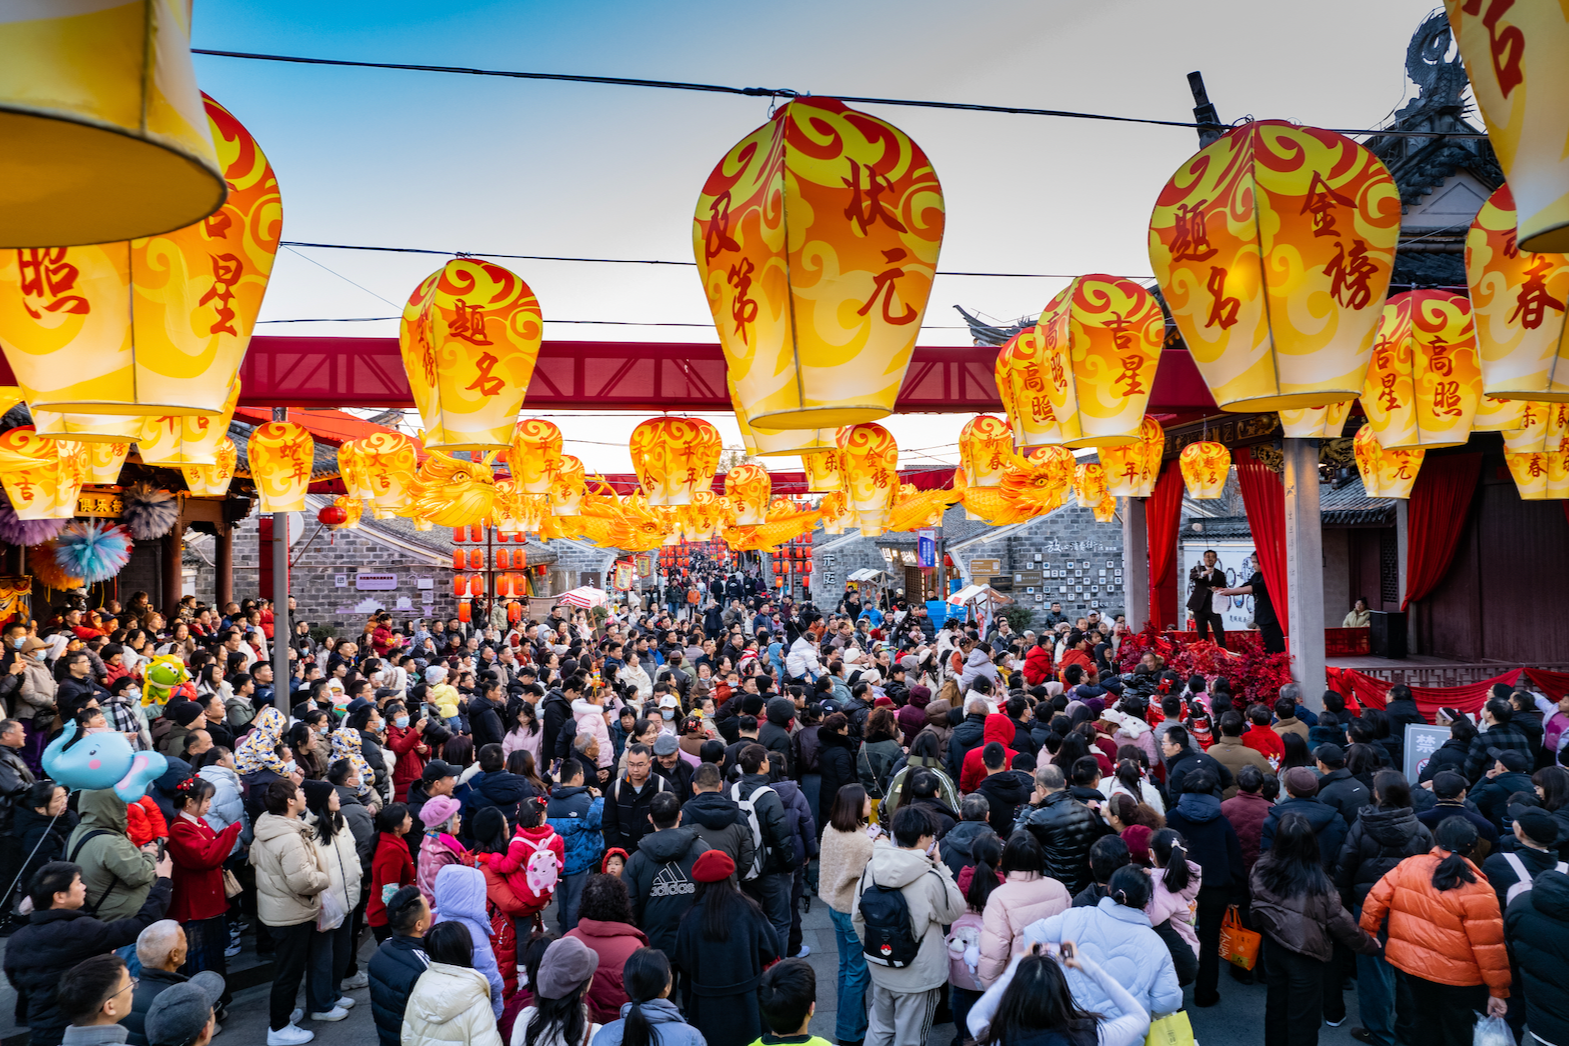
18	641
289	767
668	714
401	721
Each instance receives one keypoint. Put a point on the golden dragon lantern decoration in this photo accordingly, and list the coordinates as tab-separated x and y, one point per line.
470	336
674	458
1518	303
154	326
1385	473
749	489
568	487
816	239
177	441
42	476
1273	247
985	449
871	473
1089	484
1204	465
1133	468
1101	339
213	480
1020	372
281	454
449	492
389	461
104	135
535	455
1423	385
1516	55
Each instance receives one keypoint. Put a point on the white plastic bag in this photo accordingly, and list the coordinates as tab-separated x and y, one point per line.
1492	1031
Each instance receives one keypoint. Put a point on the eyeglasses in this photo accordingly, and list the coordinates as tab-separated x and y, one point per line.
129	987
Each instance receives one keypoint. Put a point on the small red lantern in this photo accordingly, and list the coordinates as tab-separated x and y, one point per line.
459	585
503	559
476	532
539	570
464	611
332	516
460	534
477	585
503	585
458	559
476	559
520	558
514	611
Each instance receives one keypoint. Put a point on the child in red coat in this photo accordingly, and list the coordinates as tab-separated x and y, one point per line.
392	867
533	879
144	822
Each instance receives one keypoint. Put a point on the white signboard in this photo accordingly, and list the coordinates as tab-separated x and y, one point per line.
403	603
424	582
375	582
340	580
1235	559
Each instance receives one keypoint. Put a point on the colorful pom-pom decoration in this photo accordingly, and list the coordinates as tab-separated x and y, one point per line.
92	549
148	511
14	531
46	570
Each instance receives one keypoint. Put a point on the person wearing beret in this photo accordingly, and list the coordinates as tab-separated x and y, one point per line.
723	944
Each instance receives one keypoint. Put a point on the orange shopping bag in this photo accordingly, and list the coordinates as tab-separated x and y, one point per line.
1238	944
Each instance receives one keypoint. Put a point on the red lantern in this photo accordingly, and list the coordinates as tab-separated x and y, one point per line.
502	535
520	558
476	532
458	559
539	571
514	612
460	534
464	612
503	559
459	584
477	585
503	585
332	516
476	559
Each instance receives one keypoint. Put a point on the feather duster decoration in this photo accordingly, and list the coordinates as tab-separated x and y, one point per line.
148	511
92	549
15	531
46	570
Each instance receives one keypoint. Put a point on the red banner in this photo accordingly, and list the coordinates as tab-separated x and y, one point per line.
1368	691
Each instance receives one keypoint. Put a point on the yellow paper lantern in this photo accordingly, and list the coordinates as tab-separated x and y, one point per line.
281	457
674	458
88	428
749	487
176	441
42	476
352	510
871	473
1020	373
1106	511
1101	339
1538	451
151	326
1273	247
470	336
1315	422
10	396
985	449
568	487
1517	58
836	512
535	455
104	461
1089	484
213	480
1133	468
824	470
1205	466
816	238
1518	299
101	124
1423	385
389	462
352	470
452	493
1385	473
507	509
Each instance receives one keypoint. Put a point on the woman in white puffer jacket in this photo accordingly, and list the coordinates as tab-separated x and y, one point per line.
450	1002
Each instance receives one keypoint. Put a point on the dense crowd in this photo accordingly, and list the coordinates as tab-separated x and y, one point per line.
1008	831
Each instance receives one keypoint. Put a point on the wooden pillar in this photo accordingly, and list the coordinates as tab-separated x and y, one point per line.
1403	554
173	568
223	567
1305	568
1135	563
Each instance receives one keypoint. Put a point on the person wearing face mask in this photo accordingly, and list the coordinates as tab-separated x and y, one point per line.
407	741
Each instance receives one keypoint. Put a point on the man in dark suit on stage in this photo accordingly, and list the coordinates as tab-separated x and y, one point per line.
1205	579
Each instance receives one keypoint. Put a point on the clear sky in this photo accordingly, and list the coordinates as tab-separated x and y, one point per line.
483	164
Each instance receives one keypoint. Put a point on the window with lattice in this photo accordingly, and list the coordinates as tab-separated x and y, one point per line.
1388	567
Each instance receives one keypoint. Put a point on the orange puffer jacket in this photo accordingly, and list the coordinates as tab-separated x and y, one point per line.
1450	937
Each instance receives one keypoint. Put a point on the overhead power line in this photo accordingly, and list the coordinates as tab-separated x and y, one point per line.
760	92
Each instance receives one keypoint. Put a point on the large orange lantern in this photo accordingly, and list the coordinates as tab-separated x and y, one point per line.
1089	484
535	455
1133	468
1101	339
352	470
1020	371
1205	466
470	336
824	470
568	487
985	449
186	440
151	326
871	472
42	476
389	462
1315	422
1518	299
281	454
674	458
213	480
1423	385
816	238
749	489
1517	57
88	428
1385	473
1273	247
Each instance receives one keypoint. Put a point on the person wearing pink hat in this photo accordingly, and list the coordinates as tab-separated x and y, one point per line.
442	816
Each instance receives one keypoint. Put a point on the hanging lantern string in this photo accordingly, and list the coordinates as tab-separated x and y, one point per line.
767	92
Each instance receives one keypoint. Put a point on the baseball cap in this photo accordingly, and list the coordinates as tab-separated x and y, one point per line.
1515	761
180	1012
436	769
670	701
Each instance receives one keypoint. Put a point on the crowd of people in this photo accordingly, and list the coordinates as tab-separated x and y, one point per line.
605	829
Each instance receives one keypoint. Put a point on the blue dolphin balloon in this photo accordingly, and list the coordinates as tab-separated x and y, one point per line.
102	760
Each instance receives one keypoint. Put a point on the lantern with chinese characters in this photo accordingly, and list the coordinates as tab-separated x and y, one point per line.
89	428
281	454
1100	342
389	463
1315	422
1423	384
824	470
535	455
749	487
1133	468
470	336
871	473
1106	511
1020	372
103	135
43	477
1205	467
1518	304
188	440
1273	247
1089	484
773	443
816	238
1385	473
150	326
674	458
450	492
568	487
352	470
104	461
985	449
1537	452
213	480
1516	55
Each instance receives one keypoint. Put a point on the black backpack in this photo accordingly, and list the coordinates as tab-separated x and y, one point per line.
889	938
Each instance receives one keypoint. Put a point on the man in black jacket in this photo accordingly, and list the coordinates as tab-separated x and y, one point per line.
399	962
556	715
659	875
1205	579
771	889
485	713
628	797
774	735
1337	787
59	934
1005	789
676	771
438	778
1065	828
969	734
1301	787
1182	760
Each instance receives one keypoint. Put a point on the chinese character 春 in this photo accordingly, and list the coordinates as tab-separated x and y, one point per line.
1534	300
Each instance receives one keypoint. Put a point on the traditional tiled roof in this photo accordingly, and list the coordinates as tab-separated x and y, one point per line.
1350	506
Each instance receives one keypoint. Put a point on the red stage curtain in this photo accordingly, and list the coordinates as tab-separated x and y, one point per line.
1371	692
1264	500
1162	513
1554	684
1440	502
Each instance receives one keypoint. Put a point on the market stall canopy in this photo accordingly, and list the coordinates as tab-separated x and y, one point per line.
584	597
974	593
866	574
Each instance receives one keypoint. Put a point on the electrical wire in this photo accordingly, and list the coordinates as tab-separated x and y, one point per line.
605	323
762	92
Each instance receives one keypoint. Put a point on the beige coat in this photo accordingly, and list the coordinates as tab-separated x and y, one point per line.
840	864
1231	753
450	1004
38	688
933	899
1023	899
289	872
